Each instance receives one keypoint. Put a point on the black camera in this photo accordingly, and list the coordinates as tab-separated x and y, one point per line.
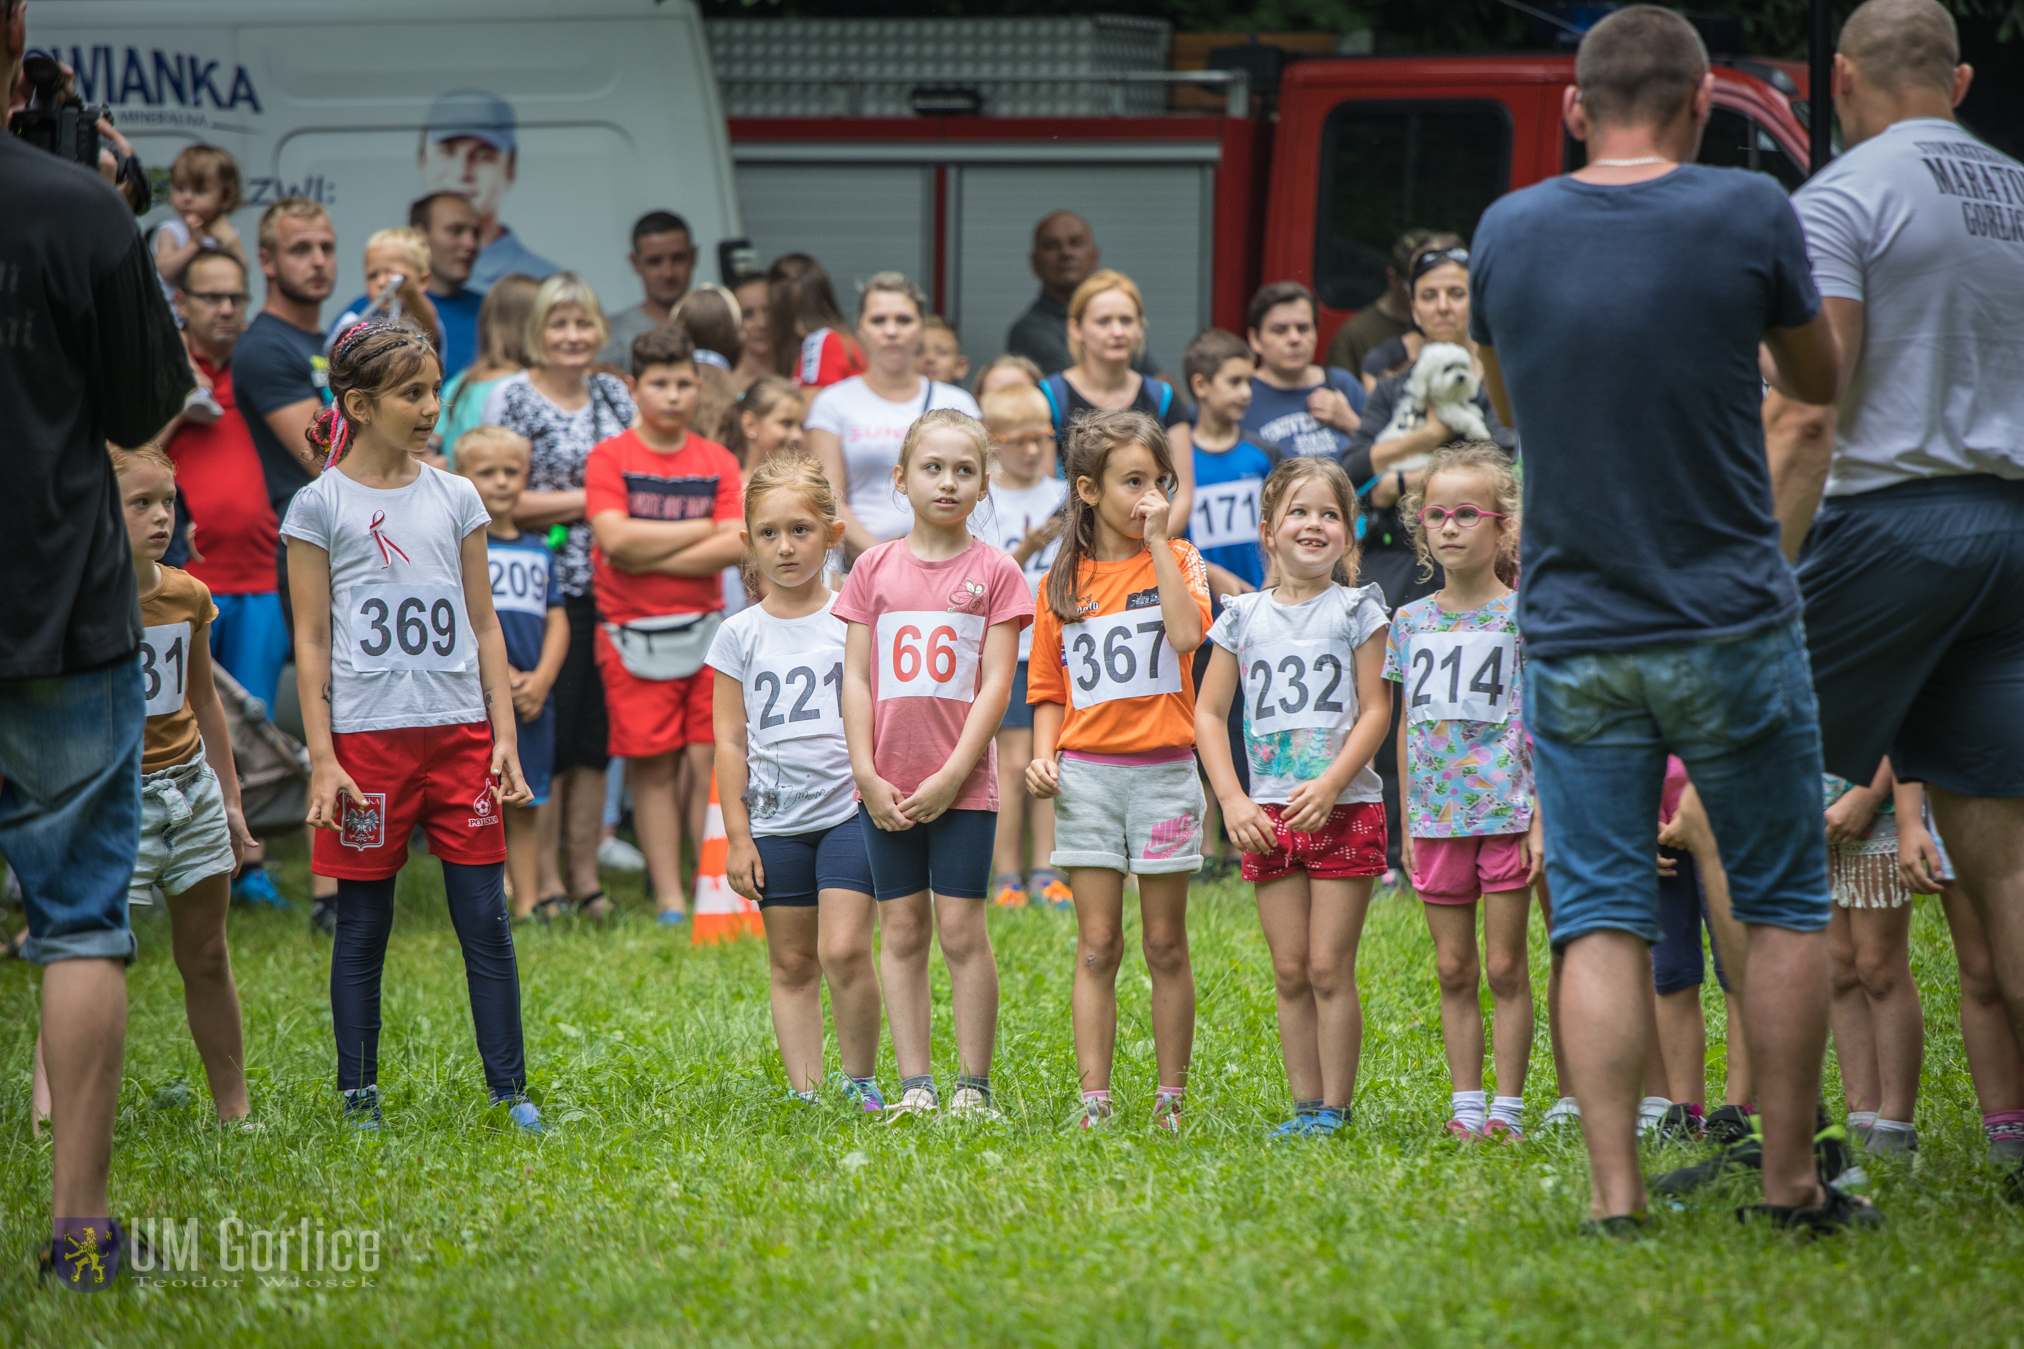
54	120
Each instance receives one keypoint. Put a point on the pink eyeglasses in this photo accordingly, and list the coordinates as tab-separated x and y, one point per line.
1467	517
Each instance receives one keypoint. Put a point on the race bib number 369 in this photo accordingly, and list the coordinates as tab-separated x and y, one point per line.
1461	676
165	666
1119	656
923	653
409	627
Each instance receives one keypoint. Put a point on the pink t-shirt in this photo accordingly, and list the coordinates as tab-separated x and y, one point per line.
928	621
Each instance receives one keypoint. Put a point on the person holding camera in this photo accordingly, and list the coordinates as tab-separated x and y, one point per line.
88	351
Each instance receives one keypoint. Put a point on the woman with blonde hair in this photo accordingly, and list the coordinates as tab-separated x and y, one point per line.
502	351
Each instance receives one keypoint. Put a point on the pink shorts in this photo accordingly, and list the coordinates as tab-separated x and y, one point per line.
1459	870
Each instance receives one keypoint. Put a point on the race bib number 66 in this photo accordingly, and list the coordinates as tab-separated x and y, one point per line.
923	653
409	627
1461	676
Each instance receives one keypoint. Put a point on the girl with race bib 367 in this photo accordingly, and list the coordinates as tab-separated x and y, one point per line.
1465	772
1113	699
1306	656
933	640
401	664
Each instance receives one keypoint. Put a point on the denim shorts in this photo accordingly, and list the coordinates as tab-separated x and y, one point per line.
70	807
799	867
1740	713
185	837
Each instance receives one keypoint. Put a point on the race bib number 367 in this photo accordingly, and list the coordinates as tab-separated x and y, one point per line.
165	666
1119	656
409	627
924	653
1461	676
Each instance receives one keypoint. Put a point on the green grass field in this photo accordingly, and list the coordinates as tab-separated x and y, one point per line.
681	1199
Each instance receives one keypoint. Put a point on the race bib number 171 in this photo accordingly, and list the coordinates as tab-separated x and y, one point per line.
1461	676
923	653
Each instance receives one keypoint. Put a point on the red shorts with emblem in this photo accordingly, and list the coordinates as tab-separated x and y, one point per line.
436	776
1349	844
654	716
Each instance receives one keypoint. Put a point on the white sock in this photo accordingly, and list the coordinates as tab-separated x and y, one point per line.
1861	1119
1509	1109
1895	1126
1650	1111
1468	1108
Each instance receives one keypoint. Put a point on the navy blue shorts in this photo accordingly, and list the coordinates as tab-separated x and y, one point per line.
800	866
950	855
1677	961
1018	712
537	751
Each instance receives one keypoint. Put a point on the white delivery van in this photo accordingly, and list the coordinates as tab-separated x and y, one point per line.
577	116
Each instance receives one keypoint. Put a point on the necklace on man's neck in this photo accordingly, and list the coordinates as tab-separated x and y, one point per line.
1628	163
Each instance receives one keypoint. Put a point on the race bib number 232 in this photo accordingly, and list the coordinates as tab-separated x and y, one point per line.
409	627
1461	676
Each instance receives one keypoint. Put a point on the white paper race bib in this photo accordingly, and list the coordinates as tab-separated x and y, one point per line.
165	666
1292	686
520	583
790	699
409	627
924	653
1461	676
1226	513
1120	656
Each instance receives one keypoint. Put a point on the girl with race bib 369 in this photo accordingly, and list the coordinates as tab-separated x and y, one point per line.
1114	736
401	664
795	846
1306	657
1465	772
934	619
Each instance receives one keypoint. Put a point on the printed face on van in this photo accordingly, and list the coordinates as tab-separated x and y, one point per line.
453	239
473	169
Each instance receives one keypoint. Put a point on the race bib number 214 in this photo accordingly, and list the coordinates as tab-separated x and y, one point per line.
1461	676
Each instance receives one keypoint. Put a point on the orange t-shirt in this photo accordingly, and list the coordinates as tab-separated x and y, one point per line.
176	618
1123	689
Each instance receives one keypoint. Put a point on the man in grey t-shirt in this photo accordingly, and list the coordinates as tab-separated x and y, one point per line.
1913	570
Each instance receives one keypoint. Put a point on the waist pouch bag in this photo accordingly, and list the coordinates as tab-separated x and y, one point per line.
671	646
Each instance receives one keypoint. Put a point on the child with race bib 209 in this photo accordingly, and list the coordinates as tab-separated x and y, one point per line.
934	619
1113	740
1305	659
402	666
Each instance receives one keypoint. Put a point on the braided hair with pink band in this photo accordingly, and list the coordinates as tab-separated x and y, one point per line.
365	356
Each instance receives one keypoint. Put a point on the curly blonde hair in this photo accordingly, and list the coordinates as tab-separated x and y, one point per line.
1493	466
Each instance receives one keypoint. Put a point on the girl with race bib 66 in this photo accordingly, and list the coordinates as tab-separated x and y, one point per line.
1113	739
1306	658
401	665
1465	771
934	619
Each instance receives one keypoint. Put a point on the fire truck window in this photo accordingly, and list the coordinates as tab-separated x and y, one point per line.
1387	167
1736	141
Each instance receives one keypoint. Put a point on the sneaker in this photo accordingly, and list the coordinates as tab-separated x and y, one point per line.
670	918
1680	1124
1167	1112
615	854
970	1103
1650	1111
1624	1227
323	914
255	886
1461	1132
1324	1123
1564	1111
201	407
1007	892
1746	1155
2013	1183
1855	1180
1300	1126
1055	894
1900	1143
1839	1212
362	1110
1502	1131
2006	1146
1728	1124
914	1101
865	1094
526	1116
1095	1115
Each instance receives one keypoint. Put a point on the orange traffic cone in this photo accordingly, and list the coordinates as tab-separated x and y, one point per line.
719	912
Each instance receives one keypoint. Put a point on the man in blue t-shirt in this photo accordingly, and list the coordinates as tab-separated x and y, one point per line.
1620	311
1296	404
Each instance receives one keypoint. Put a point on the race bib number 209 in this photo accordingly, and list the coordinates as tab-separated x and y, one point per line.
409	627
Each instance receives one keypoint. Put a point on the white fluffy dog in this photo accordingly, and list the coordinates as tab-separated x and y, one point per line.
1444	383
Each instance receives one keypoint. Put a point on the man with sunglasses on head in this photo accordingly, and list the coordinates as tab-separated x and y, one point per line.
219	479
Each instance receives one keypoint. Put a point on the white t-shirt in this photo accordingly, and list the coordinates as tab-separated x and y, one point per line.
1004	516
870	429
1296	672
1925	225
797	764
402	652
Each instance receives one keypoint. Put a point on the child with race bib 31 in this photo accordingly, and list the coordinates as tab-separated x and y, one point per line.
1465	772
1306	657
401	665
783	774
933	642
1113	739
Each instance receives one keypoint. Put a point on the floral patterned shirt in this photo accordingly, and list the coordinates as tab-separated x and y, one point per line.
1469	778
560	442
